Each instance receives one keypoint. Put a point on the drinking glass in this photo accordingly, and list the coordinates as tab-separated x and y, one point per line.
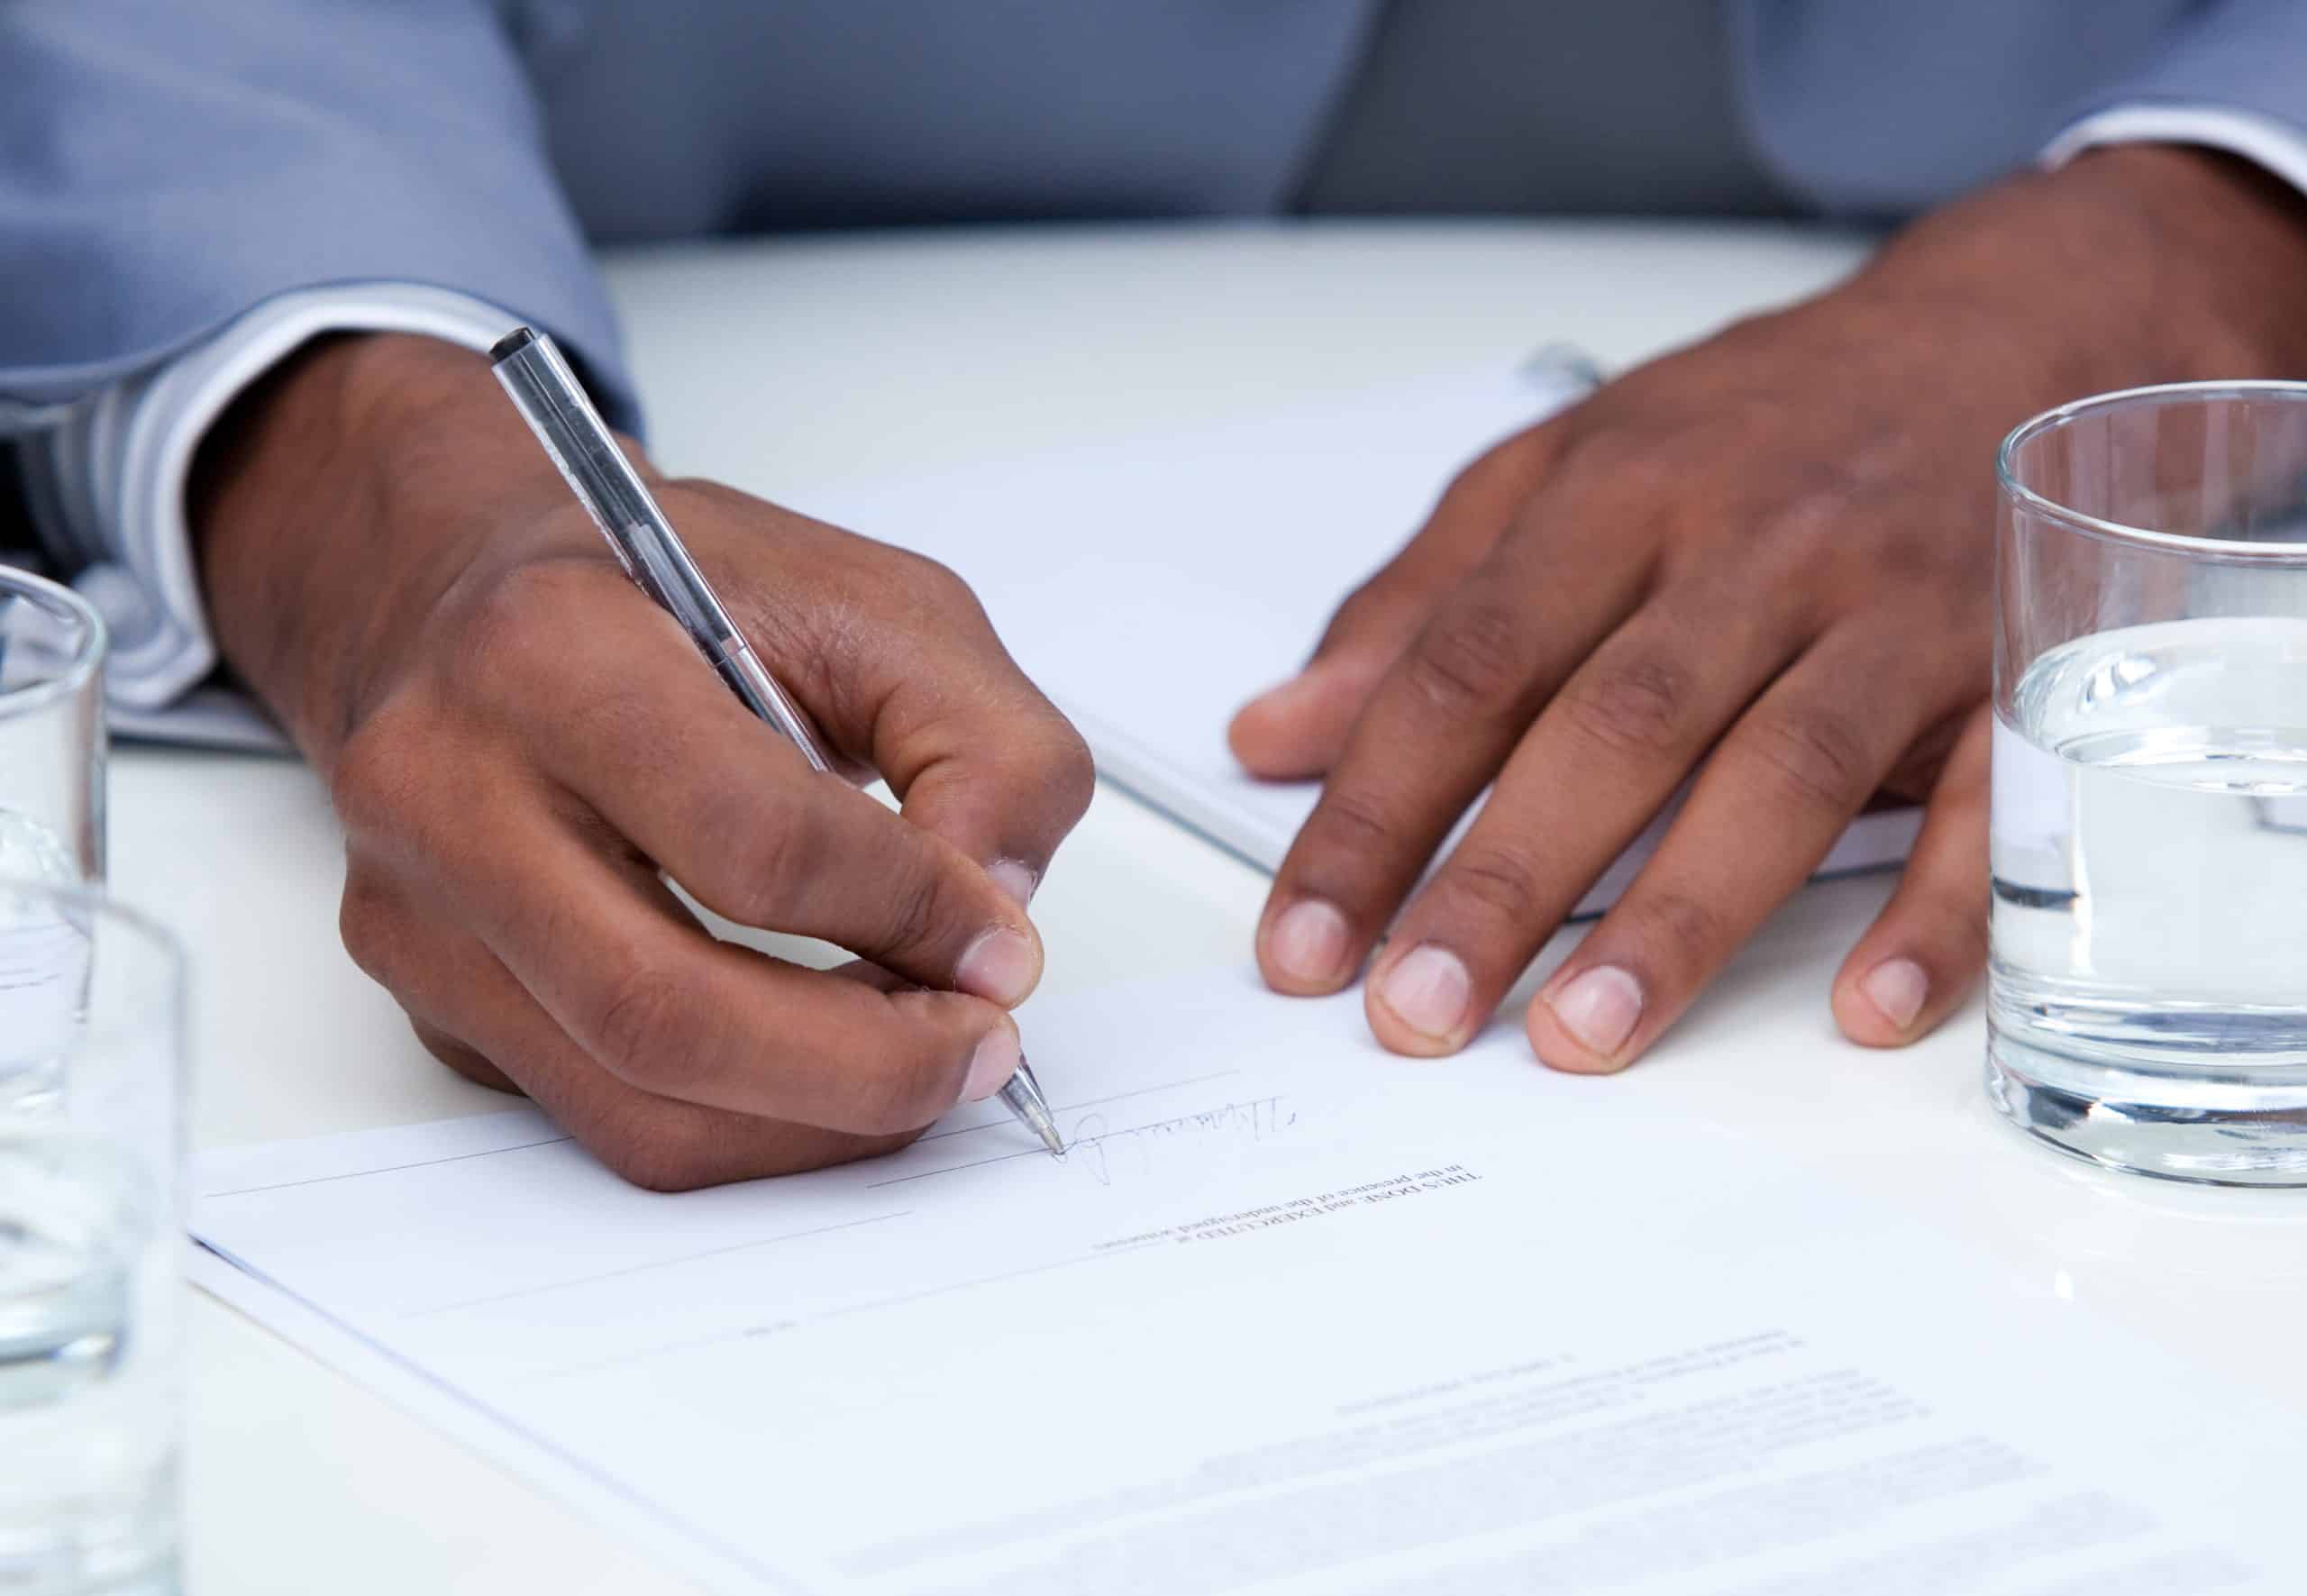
52	733
51	779
2147	993
91	1301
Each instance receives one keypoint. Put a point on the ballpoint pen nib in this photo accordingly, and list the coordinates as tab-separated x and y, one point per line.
1024	1096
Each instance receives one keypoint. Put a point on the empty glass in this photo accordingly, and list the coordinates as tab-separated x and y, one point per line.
2148	996
90	1231
51	786
52	732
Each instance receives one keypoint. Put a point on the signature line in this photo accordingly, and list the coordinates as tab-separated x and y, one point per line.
766	1241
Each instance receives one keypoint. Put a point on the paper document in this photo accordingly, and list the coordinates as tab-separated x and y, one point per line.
1293	1316
1152	587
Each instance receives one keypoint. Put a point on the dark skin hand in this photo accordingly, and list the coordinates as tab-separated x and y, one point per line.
395	567
1761	565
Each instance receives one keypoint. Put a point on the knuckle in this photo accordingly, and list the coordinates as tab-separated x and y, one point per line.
1509	469
376	774
1916	772
1955	922
1687	932
369	925
1050	775
462	1058
1603	453
767	855
1352	822
1631	460
920	903
524	611
1639	707
1359	612
1815	515
1470	662
636	1026
934	583
1499	881
509	650
1070	775
1476	477
907	1092
660	1155
1819	756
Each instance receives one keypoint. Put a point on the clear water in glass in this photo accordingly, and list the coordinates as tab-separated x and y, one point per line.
2149	854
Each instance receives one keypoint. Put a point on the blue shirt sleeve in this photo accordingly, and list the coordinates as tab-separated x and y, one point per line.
2248	56
166	165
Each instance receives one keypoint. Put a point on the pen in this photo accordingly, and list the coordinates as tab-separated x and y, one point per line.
546	392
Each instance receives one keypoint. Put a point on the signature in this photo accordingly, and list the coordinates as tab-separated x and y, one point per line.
1104	1150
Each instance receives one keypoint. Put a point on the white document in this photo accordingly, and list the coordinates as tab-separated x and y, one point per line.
1294	1317
1151	588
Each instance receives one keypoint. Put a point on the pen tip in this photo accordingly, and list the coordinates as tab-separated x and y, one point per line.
1023	1095
512	343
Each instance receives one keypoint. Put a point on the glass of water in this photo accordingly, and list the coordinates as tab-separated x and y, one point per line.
91	1298
52	733
2148	996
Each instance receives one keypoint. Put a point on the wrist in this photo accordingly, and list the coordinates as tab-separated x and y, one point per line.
2221	248
336	501
2131	265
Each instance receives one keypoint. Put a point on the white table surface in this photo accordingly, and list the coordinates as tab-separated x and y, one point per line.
782	365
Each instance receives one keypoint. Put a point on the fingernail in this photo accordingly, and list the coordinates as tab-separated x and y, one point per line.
1426	990
991	1065
1897	987
1302	691
999	967
1308	942
1599	1009
1277	695
1014	877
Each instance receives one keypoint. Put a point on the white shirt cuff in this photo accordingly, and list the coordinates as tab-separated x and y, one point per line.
2278	147
108	483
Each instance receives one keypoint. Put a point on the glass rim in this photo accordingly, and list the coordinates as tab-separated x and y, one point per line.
86	659
2099	527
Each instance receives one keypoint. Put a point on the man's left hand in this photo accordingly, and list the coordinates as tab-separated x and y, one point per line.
1763	566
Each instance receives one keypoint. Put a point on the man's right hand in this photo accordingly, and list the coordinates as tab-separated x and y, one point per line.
518	742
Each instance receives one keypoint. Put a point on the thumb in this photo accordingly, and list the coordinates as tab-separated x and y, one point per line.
1297	728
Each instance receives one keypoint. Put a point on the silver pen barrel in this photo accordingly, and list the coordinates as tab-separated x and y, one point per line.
531	370
553	402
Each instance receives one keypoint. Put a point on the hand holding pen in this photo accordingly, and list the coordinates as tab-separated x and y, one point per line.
573	432
518	742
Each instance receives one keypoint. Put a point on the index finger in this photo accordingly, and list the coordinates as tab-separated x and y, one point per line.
973	748
639	730
895	657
